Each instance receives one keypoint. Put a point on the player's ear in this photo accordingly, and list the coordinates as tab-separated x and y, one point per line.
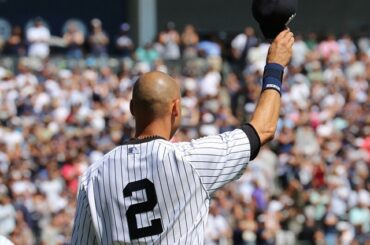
176	108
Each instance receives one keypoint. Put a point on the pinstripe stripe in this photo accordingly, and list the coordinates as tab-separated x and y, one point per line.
185	199
126	163
116	193
83	222
214	155
215	176
76	230
166	176
102	216
212	169
151	178
96	196
218	162
190	191
159	177
75	233
196	196
156	164
208	141
212	183
142	191
216	147
109	232
119	192
88	235
177	194
111	195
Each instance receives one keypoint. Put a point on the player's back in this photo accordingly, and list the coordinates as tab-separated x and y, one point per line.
144	192
155	192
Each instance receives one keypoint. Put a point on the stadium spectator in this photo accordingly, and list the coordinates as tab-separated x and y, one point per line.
217	230
98	40
15	44
38	37
241	45
347	48
210	84
5	241
2	43
25	77
147	54
300	50
74	40
364	44
311	40
7	215
169	39
189	41
256	57
124	43
329	47
208	47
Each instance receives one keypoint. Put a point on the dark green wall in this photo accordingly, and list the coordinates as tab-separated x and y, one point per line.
207	15
111	12
232	15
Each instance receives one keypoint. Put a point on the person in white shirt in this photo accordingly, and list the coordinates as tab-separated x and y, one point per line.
241	45
7	216
300	51
38	37
5	241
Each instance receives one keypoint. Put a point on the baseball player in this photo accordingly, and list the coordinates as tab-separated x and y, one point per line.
152	191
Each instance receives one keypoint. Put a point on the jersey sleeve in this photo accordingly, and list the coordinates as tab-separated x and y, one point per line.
83	229
222	158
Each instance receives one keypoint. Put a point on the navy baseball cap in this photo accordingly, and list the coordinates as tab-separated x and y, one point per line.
274	16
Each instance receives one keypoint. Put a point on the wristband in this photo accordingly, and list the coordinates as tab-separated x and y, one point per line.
273	77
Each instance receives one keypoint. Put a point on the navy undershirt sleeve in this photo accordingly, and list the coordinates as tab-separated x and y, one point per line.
254	139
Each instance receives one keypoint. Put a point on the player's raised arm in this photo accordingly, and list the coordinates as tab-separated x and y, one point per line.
266	115
222	158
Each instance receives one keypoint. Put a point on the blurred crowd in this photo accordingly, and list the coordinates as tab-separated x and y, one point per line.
36	40
309	186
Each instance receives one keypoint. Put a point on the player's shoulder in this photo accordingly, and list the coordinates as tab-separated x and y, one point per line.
166	144
213	139
93	169
117	153
152	140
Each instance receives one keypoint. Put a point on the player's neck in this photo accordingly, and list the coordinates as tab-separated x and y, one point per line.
155	128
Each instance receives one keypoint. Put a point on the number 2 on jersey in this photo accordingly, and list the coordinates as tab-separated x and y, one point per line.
143	207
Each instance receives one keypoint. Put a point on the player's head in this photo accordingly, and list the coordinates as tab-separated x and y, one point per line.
156	97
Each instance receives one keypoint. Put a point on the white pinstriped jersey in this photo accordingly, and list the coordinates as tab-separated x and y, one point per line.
156	192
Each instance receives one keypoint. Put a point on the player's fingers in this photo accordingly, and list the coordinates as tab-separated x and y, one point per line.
288	35
291	42
286	39
282	34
